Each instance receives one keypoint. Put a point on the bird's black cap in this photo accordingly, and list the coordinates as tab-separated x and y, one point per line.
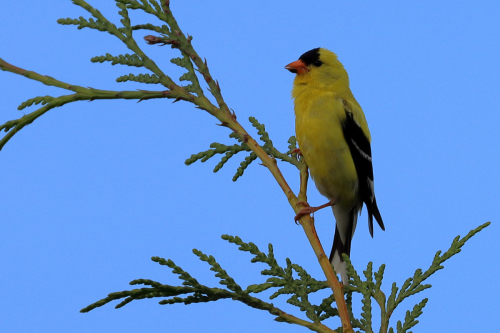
311	58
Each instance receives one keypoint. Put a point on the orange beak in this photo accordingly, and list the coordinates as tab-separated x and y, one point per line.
297	67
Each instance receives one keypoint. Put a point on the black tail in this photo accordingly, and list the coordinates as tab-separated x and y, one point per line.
340	247
373	211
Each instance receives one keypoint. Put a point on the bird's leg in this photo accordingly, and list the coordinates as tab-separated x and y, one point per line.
309	210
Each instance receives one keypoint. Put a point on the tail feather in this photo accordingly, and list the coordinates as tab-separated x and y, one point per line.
373	211
340	247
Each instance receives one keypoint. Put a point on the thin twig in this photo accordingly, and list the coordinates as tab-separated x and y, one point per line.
312	236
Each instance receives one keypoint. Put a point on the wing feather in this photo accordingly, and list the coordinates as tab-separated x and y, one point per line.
361	153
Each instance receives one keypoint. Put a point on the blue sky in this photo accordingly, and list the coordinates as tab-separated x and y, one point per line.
92	190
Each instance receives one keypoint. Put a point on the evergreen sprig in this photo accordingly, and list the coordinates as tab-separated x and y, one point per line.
294	281
150	7
230	151
142	78
154	8
192	291
37	100
190	75
192	92
413	285
122	59
126	29
410	317
225	279
139	58
171	34
163	29
269	147
82	22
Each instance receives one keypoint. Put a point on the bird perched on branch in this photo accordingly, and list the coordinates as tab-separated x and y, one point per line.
334	140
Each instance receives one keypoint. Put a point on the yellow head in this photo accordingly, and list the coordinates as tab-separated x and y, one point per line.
319	67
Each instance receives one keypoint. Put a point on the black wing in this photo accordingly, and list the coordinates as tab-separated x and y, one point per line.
361	153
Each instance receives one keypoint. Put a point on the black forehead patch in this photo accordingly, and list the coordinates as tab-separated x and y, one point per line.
311	57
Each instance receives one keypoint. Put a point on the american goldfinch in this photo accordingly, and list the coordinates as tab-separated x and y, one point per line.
334	140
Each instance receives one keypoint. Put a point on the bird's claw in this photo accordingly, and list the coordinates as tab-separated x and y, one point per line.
303	212
310	210
296	151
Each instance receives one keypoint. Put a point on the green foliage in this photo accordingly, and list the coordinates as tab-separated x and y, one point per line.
410	317
81	23
142	78
102	24
171	34
37	100
293	281
190	75
230	151
163	29
122	59
283	279
225	279
150	7
413	285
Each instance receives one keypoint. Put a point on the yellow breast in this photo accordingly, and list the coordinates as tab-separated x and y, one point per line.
318	127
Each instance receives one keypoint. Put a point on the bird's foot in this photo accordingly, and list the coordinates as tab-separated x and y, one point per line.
309	210
298	152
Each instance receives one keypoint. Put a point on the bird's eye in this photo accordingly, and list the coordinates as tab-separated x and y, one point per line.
318	63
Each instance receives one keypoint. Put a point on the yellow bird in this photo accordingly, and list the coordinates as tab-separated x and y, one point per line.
334	140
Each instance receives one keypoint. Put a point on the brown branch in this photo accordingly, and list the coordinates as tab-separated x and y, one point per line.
312	236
